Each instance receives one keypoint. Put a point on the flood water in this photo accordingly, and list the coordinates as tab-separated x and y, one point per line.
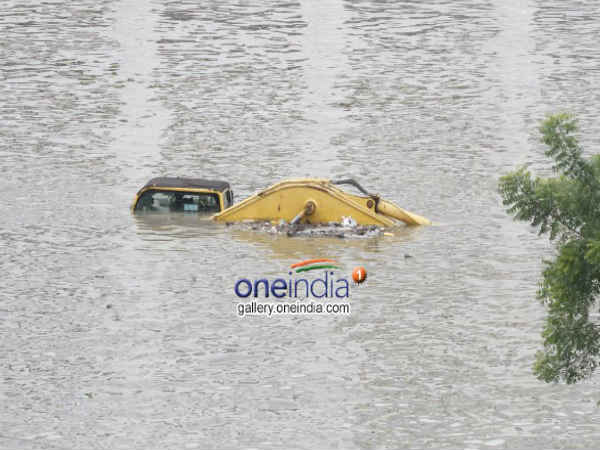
120	332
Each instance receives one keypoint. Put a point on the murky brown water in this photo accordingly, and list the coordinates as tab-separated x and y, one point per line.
120	332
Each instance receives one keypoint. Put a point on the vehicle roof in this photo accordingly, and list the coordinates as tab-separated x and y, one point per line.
178	182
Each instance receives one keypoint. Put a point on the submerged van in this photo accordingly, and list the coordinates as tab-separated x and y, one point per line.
186	195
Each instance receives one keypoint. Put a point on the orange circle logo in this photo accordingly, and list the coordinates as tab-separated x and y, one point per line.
359	274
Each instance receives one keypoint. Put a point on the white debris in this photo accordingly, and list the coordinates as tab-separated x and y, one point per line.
347	228
348	222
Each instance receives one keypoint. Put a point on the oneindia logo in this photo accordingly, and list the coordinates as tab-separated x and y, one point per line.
313	278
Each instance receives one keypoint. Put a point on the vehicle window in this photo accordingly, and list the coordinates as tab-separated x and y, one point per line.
174	201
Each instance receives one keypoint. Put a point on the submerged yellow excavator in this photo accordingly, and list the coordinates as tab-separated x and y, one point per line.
311	201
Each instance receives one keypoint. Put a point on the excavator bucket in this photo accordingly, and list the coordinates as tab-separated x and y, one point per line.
317	201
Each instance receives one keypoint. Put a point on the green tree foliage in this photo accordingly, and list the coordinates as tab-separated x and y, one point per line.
567	208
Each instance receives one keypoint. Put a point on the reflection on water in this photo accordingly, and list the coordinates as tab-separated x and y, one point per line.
299	248
171	227
119	331
174	226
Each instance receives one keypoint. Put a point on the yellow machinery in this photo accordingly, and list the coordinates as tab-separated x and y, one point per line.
310	200
317	201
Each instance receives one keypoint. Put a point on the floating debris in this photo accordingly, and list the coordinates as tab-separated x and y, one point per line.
348	228
348	222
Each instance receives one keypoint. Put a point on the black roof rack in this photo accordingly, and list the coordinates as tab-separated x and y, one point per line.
177	182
